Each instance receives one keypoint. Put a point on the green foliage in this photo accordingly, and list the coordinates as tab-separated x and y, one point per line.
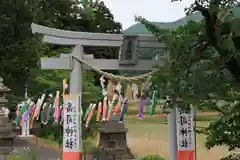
219	32
219	20
53	132
201	69
15	158
20	51
180	77
152	157
225	131
89	146
232	156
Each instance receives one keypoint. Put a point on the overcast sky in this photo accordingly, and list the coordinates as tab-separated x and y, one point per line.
152	10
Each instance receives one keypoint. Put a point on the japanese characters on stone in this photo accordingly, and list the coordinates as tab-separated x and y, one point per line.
185	128
70	132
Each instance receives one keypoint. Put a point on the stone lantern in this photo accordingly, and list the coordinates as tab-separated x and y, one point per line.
6	134
113	140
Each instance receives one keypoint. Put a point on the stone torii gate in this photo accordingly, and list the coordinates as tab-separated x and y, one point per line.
127	55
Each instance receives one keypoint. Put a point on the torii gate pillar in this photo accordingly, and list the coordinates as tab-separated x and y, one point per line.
76	75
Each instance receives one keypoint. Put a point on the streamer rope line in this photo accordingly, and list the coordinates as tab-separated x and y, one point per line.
135	79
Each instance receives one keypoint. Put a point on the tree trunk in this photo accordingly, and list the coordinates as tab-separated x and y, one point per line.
234	67
224	46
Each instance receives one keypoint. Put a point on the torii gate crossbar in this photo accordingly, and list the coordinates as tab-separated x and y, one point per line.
81	39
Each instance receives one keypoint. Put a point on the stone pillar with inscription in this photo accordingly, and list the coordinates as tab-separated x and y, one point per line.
113	140
72	128
6	133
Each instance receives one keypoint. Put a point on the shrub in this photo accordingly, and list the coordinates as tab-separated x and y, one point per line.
152	157
89	146
52	131
232	156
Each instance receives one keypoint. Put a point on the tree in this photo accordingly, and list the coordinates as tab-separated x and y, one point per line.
218	30
220	33
18	49
68	15
198	75
183	76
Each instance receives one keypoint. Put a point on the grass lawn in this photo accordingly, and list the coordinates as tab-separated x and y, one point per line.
150	136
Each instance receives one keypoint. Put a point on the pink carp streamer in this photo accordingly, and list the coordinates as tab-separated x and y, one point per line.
99	111
118	105
56	107
56	114
35	113
117	108
38	112
62	115
90	115
17	111
104	115
36	109
23	116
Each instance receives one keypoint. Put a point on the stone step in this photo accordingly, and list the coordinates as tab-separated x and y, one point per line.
5	129
3	120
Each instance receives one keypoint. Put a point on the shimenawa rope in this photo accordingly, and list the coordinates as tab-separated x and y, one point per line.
110	76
